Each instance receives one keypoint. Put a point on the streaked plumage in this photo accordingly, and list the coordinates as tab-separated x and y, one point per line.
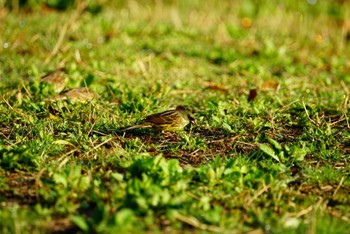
171	120
76	95
56	78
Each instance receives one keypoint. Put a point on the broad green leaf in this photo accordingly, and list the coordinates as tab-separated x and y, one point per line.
275	144
227	127
80	222
60	179
299	153
124	216
269	151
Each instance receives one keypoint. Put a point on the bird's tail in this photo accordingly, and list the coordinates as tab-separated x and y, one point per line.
136	126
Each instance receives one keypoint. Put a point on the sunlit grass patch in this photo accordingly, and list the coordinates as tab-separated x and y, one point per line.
268	87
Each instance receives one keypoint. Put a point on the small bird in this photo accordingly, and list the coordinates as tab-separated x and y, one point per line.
167	121
76	95
55	78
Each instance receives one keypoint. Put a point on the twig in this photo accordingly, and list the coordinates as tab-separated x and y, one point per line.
7	103
64	159
346	101
101	144
58	43
309	209
345	87
289	104
91	129
27	91
80	7
307	113
341	119
192	195
195	223
246	143
194	152
38	182
258	194
339	185
304	212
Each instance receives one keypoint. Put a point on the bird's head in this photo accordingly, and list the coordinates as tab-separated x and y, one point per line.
192	119
188	113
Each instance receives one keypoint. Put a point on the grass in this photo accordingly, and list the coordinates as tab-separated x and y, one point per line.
269	87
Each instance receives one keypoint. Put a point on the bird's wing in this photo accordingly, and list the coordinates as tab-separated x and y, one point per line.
166	117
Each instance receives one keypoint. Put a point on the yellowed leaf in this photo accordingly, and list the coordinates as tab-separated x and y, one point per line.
217	88
269	85
63	142
54	117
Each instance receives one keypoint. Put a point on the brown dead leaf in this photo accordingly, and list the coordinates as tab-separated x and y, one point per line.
327	188
46	9
252	95
269	85
217	88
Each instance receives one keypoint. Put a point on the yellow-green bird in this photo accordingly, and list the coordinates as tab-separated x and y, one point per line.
167	121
